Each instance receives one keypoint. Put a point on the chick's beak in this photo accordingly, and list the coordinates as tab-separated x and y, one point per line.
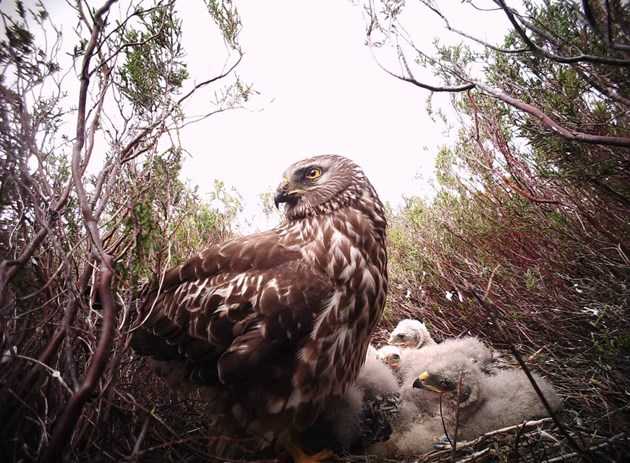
429	382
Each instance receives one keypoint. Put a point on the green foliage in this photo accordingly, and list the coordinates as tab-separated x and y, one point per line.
167	221
225	14
532	277
612	346
18	47
207	222
268	204
153	67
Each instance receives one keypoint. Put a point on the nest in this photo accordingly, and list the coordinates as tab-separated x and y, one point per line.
529	442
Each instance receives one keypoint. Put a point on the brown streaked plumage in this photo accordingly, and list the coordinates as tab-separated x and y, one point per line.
276	325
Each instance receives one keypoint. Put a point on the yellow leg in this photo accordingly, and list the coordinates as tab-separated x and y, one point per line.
300	457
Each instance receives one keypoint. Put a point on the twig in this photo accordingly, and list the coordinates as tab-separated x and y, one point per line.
570	456
550	123
135	453
493	314
72	411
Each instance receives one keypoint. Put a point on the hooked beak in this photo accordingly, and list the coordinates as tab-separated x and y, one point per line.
287	193
436	383
429	382
280	197
282	193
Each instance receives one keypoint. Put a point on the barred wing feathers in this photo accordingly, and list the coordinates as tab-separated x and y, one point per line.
233	305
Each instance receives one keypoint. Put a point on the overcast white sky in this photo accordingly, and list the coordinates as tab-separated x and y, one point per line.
319	91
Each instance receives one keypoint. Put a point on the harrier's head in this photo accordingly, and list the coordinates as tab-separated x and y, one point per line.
321	184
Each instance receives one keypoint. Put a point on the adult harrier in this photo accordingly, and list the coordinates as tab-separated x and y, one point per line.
275	325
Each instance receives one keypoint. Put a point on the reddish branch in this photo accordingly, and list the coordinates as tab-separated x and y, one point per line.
469	83
592	22
550	123
90	221
518	104
503	148
67	422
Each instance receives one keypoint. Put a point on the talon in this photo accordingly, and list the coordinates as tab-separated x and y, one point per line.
299	456
442	443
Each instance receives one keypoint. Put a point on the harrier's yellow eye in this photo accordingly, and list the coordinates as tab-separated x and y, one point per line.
313	173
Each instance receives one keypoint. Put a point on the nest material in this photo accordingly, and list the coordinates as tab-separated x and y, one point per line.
530	442
589	417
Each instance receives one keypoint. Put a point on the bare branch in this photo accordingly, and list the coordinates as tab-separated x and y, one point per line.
227	71
90	221
65	425
518	104
410	79
448	26
550	123
64	428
